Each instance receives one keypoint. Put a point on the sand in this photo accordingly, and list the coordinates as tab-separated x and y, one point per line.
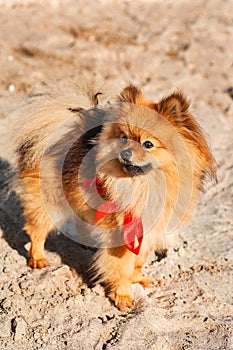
161	46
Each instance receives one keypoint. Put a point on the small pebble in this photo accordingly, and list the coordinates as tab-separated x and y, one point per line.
10	58
181	252
11	88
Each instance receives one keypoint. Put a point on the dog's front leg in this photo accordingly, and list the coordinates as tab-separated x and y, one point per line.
116	267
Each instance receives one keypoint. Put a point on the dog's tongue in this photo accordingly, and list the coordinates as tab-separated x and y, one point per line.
133	229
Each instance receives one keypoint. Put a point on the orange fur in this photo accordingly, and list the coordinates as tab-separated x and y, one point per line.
160	184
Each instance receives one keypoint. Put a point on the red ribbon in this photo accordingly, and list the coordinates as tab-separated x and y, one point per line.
93	184
133	233
133	229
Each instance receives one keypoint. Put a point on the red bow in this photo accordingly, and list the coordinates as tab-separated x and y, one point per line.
133	229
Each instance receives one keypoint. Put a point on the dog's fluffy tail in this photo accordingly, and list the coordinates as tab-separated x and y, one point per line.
39	116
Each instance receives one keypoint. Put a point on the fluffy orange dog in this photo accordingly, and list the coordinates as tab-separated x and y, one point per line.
125	174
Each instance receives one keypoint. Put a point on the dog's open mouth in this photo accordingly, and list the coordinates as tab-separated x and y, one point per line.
136	169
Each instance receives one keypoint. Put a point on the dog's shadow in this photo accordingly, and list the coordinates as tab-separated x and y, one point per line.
12	222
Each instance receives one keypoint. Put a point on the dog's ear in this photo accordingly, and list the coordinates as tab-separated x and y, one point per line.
131	94
175	106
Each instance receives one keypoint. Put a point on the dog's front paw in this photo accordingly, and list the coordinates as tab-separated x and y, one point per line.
138	277
122	301
37	263
145	281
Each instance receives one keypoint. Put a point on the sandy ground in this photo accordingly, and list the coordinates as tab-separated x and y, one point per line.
160	45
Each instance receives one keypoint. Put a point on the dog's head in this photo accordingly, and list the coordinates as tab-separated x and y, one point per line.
140	136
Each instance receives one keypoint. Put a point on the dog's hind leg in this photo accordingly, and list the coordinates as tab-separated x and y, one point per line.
38	224
36	254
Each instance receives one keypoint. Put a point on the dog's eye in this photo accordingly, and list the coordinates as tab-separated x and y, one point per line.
124	140
147	145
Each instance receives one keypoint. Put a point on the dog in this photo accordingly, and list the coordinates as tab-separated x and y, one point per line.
125	172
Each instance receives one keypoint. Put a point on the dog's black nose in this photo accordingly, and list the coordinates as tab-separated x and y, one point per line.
126	154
